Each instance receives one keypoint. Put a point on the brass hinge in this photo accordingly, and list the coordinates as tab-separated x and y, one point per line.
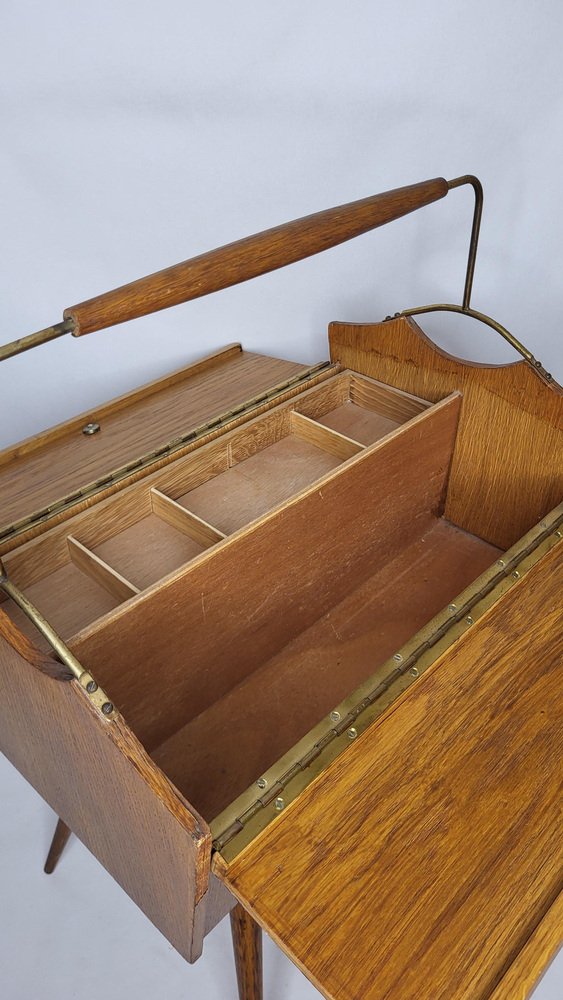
165	451
256	808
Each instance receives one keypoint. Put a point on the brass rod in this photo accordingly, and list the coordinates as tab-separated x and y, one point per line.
41	624
35	339
483	318
475	229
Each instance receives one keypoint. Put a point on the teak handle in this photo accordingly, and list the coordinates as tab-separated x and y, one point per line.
250	257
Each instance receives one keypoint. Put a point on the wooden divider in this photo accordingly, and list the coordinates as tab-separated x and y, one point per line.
184	520
101	572
324	437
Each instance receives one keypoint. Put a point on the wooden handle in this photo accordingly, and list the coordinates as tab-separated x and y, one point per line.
251	257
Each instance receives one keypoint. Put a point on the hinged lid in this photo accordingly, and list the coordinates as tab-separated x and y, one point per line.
420	863
51	474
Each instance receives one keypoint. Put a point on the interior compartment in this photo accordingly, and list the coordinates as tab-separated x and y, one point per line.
261	718
78	572
228	602
223	667
370	411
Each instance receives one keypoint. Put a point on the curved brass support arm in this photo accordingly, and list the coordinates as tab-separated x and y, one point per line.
488	321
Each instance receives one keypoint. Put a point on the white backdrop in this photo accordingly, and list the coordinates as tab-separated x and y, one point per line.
134	135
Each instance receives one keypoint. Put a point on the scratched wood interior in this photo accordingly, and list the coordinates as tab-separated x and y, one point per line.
220	752
78	572
507	469
426	861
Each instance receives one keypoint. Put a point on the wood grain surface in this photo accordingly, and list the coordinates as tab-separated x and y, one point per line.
507	471
240	602
98	779
221	752
534	959
250	257
34	559
421	863
247	946
58	462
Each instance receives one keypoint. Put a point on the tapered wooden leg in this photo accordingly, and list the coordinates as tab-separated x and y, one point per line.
247	944
61	835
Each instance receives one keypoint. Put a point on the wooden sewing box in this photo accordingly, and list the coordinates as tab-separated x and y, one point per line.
284	641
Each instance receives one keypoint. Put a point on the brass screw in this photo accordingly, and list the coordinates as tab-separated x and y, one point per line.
279	804
469	620
414	671
397	657
452	607
107	708
335	716
516	575
262	783
91	687
500	562
352	733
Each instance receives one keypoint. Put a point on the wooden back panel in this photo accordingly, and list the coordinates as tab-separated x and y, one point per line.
507	470
98	779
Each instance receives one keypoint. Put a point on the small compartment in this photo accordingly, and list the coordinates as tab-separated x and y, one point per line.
69	600
274	473
149	550
321	430
368	410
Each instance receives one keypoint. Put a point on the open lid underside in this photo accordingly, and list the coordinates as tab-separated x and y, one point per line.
426	861
52	472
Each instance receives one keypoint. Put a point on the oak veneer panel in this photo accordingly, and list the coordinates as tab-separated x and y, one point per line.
220	753
54	464
211	625
98	779
422	861
507	471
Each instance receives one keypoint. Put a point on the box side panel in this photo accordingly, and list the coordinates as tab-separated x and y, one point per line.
507	470
97	778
